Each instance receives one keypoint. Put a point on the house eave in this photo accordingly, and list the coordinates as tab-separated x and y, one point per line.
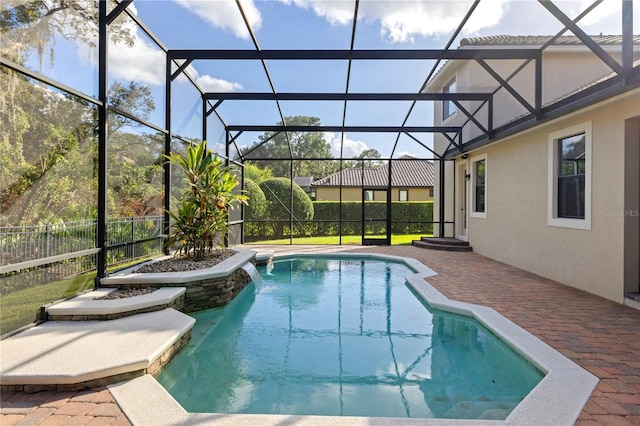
601	94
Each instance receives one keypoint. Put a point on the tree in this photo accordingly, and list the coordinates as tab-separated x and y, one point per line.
300	146
48	155
278	192
136	99
34	25
255	173
47	150
369	158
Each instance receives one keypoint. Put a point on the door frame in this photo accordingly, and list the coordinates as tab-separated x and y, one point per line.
462	180
377	241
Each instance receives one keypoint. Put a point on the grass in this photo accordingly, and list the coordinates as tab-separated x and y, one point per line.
346	239
22	307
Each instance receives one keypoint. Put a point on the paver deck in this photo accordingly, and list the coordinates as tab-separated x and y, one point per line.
600	335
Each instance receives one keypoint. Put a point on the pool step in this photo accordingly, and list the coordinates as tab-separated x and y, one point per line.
446	244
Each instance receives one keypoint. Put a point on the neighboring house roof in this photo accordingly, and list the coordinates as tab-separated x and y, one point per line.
303	181
531	41
404	173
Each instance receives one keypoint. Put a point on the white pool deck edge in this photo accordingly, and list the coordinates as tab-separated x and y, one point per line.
557	400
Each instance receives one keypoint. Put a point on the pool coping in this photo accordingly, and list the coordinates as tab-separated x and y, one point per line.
558	399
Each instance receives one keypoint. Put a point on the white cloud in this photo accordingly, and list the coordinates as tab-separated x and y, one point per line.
336	12
403	20
350	148
143	62
212	84
225	14
403	153
207	82
604	10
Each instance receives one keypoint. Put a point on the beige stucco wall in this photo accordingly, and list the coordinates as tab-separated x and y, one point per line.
355	194
333	194
564	69
516	229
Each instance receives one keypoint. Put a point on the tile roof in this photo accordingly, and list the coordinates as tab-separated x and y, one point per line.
404	173
507	40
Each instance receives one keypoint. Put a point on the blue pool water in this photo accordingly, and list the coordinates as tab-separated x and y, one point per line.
344	337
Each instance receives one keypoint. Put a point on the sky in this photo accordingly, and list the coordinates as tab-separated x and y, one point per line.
307	24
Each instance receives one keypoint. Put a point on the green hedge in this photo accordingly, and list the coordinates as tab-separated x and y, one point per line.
407	217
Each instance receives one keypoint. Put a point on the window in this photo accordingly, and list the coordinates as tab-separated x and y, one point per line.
404	195
479	186
448	107
430	192
570	177
368	195
571	151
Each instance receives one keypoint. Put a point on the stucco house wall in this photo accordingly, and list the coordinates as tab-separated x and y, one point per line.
564	70
355	194
516	229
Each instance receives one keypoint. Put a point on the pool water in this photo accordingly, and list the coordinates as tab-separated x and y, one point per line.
344	337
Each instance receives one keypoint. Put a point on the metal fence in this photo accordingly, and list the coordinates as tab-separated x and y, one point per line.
34	255
29	243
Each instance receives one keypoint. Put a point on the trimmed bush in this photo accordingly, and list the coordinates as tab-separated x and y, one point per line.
257	205
278	193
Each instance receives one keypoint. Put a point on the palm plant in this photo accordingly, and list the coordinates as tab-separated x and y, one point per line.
200	219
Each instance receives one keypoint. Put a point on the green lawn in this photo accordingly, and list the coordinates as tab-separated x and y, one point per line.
22	307
346	239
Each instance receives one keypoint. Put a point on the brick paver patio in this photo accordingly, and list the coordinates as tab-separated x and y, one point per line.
601	336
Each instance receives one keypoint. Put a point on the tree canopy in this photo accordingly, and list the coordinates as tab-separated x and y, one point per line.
302	147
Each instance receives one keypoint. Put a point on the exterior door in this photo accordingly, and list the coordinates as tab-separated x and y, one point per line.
376	214
462	197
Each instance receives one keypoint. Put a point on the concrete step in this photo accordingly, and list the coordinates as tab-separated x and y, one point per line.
88	306
445	244
63	355
445	241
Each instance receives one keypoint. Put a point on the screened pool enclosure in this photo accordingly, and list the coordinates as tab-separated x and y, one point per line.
330	129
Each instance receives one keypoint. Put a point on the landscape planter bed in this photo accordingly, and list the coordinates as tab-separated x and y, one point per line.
206	288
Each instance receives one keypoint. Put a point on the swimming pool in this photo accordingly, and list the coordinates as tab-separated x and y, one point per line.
344	337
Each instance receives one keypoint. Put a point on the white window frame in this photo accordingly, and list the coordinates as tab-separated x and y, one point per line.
446	89
474	177
400	191
552	184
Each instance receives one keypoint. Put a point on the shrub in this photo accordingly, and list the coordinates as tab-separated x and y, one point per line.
257	206
278	195
200	221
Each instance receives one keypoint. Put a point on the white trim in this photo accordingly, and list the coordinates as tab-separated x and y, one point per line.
460	183
552	181
472	212
453	80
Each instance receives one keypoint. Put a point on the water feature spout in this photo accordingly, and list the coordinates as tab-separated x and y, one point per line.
253	273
